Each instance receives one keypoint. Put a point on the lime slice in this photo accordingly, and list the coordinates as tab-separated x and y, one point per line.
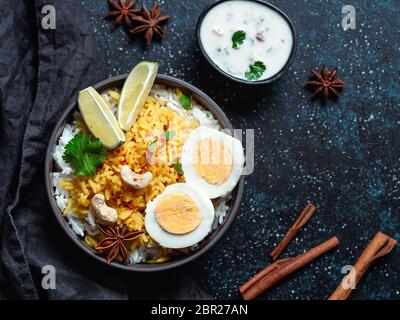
135	92
99	118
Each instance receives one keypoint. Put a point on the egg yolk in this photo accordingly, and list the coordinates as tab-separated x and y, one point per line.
213	161
177	213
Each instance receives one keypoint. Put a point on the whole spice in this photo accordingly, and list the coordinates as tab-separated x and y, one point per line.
124	12
380	246
280	269
150	23
263	273
115	240
304	217
325	83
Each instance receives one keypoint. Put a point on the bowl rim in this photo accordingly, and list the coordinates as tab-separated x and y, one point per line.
275	77
211	239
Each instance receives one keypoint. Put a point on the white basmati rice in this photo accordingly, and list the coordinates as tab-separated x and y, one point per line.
76	224
67	134
139	255
90	225
220	211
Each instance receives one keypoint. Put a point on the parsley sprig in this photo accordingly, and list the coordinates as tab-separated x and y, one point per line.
238	38
255	71
169	134
178	168
185	101
84	153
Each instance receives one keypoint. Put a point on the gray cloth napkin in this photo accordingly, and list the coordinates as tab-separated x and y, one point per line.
41	71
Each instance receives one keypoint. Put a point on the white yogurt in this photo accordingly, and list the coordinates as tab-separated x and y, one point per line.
268	39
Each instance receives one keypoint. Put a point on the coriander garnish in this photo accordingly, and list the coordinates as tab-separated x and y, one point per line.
178	169
238	38
84	153
255	71
185	101
169	134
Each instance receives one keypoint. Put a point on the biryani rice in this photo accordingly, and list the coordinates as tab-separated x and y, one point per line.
146	149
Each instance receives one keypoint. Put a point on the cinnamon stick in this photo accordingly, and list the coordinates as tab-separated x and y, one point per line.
280	269
304	217
263	273
380	246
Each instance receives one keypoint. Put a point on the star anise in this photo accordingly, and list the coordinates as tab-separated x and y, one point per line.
124	12
325	83
115	240
150	23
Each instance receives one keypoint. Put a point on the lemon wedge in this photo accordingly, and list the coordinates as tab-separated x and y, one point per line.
99	118
134	93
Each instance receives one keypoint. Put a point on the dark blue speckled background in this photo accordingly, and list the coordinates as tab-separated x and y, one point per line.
344	156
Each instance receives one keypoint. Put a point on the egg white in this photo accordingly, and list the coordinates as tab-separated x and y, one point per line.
187	159
178	241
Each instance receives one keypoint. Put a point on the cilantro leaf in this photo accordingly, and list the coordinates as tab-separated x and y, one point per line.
178	168
255	71
185	101
169	134
238	38
84	153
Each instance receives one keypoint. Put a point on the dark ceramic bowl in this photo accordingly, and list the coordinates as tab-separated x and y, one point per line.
227	75
209	242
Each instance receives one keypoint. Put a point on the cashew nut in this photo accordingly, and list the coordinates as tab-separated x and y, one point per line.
102	213
137	181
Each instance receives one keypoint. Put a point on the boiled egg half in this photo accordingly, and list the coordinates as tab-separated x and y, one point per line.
212	161
180	217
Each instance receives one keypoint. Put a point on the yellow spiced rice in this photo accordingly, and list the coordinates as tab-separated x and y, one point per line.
147	148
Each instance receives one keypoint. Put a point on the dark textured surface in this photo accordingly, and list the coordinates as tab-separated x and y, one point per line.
344	156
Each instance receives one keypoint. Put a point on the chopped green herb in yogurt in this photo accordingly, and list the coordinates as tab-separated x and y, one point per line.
255	71
238	38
